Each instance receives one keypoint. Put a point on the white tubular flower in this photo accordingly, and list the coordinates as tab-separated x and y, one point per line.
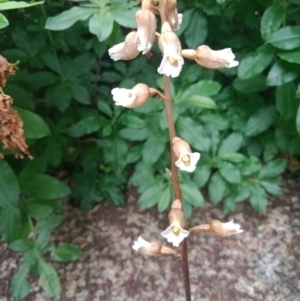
211	59
126	50
225	229
186	160
175	233
170	46
131	98
146	28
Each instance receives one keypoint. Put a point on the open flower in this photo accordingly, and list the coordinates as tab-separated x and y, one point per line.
170	46
146	28
211	59
225	229
186	160
131	98
175	233
126	50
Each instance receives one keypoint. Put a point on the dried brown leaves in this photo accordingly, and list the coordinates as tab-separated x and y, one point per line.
11	124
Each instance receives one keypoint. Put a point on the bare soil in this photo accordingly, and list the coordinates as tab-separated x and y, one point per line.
261	264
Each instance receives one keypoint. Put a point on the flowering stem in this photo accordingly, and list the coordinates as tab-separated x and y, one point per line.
175	182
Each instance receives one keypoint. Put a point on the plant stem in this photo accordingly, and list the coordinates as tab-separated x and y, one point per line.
175	182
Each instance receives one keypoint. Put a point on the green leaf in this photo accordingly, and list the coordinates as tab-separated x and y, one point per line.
66	252
10	223
165	199
201	175
194	133
218	122
69	17
282	73
298	120
198	20
251	166
154	147
254	84
233	157
273	169
49	223
104	108
231	144
18	4
151	196
34	167
21	245
271	20
37	208
44	187
187	209
203	88
192	194
229	172
132	121
258	199
119	151
9	186
20	286
201	101
291	56
81	94
34	126
135	134
260	121
101	24
286	101
254	63
272	186
48	278
3	21
124	16
286	38
229	205
242	192
216	188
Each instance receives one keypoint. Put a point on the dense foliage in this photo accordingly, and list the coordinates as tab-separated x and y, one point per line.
240	119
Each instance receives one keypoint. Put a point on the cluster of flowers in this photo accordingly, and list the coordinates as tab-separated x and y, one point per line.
171	65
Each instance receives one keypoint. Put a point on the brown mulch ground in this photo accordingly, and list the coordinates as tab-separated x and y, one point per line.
261	264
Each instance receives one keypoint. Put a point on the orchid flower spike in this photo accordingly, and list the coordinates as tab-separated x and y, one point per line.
126	50
225	229
146	28
186	160
211	59
175	233
170	46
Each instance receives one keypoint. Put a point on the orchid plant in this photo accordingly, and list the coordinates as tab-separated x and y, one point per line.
182	156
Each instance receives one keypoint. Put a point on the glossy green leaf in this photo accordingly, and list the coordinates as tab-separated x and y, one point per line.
21	245
192	132
231	144
233	157
69	17
229	172
258	199
198	20
282	73
273	169
201	175
3	21
49	223
260	121
165	200
151	196
192	194
203	88
291	56
66	252
286	38
254	84
44	187
154	147
271	20
48	278
286	101
201	101
18	4
101	24
255	62
216	188
9	186
20	286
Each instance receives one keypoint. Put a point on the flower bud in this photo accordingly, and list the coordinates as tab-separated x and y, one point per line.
225	229
173	18
211	59
126	50
170	46
186	160
131	98
146	28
